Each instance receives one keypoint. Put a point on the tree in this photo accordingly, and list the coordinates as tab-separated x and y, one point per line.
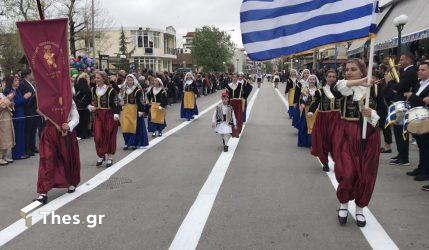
10	51
211	47
123	54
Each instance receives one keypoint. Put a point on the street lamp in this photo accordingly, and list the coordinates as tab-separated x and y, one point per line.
224	68
400	22
237	64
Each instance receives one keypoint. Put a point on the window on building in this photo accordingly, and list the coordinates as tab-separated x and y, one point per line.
140	39
156	39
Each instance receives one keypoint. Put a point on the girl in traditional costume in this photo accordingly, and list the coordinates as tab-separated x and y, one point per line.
157	98
133	125
106	117
291	83
305	124
189	107
326	103
302	83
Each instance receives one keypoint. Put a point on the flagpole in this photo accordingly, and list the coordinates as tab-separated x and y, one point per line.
40	9
368	92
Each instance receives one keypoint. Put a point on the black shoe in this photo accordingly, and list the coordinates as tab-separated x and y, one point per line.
30	154
400	163
42	199
99	162
360	223
153	134
394	158
425	188
125	148
225	148
342	220
133	148
36	151
385	151
326	168
160	134
24	157
109	163
71	190
415	172
421	178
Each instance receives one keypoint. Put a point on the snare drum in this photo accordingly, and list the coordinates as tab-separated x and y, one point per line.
417	121
397	112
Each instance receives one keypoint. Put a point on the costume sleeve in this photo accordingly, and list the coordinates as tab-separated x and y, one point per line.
114	102
234	120
247	89
163	98
73	117
140	101
214	116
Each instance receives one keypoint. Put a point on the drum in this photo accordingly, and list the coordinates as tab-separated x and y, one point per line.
397	112
417	121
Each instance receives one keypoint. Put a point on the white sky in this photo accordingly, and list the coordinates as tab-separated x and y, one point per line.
183	15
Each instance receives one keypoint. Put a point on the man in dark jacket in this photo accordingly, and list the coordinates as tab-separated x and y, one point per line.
32	120
408	79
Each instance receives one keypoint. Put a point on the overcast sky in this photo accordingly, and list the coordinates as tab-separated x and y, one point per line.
184	15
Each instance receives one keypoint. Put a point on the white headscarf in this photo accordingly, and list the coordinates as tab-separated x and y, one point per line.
312	91
188	82
156	90
296	75
304	82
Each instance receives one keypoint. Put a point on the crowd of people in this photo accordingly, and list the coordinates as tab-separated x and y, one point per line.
329	116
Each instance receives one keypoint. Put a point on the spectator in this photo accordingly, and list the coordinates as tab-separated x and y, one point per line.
6	129
82	99
14	94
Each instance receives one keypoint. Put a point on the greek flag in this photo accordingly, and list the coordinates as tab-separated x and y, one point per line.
274	28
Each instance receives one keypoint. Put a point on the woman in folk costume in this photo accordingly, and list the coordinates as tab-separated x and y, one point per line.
7	134
302	83
157	98
356	160
291	83
133	126
223	120
237	93
59	164
249	88
305	124
189	107
326	103
106	116
276	80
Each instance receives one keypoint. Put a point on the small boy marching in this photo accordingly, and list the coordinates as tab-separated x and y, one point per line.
224	121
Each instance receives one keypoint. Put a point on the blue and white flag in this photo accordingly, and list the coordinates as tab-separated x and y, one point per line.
274	28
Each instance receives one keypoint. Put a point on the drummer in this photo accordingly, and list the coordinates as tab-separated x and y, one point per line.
416	99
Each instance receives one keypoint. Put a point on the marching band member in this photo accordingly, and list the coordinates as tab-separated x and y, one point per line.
157	98
237	93
132	120
223	120
189	107
356	160
417	99
326	103
305	123
59	164
106	117
248	86
290	91
302	83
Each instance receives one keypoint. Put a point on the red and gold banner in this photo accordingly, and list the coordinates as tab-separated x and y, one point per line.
45	43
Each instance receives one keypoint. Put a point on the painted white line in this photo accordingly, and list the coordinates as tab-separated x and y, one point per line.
286	103
19	227
190	230
373	231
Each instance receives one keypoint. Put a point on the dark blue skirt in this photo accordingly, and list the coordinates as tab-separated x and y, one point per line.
153	127
295	117
140	138
291	111
188	114
304	139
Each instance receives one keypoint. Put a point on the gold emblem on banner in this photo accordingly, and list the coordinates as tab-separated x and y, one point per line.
49	57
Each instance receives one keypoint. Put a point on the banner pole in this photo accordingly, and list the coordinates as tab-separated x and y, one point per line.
39	7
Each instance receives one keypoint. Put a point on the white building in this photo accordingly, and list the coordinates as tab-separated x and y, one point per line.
153	49
239	60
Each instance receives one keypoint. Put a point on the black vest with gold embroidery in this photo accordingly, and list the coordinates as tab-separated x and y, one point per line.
350	109
102	102
132	97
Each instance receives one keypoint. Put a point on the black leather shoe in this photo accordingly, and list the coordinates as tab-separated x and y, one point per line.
71	190
42	199
225	148
326	168
125	148
99	162
425	188
359	222
109	163
421	178
415	172
342	220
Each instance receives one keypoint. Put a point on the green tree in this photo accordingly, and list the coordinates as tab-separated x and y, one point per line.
211	47
123	55
10	51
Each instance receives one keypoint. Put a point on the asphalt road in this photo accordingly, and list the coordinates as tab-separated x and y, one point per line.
274	195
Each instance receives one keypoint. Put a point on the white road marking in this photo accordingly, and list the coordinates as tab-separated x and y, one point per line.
19	227
190	230
373	231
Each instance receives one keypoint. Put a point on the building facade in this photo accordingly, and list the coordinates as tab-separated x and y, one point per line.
152	49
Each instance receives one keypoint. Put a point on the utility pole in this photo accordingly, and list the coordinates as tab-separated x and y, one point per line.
93	32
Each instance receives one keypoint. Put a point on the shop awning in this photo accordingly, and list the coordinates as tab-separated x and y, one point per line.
357	46
417	27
